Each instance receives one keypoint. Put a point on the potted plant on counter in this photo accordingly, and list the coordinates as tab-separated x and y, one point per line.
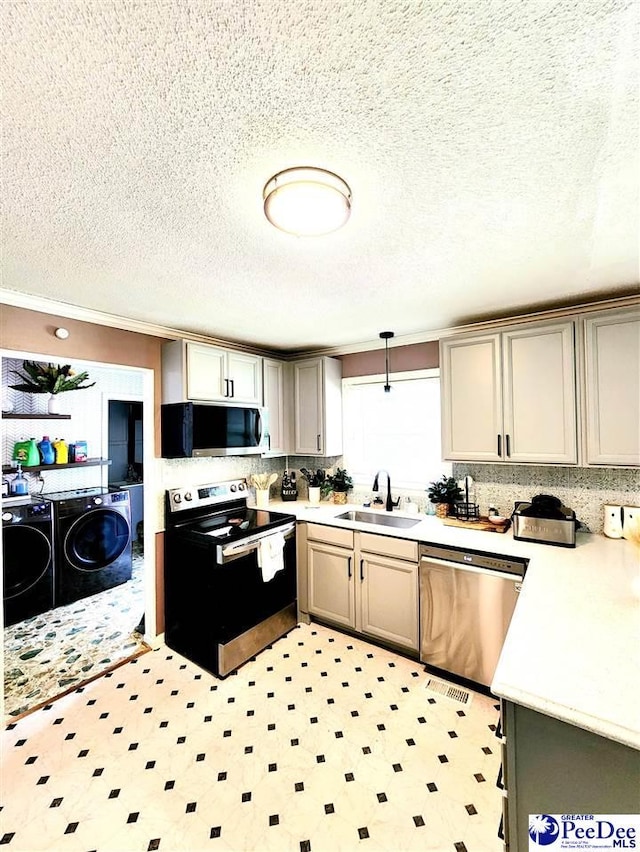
444	492
340	484
317	481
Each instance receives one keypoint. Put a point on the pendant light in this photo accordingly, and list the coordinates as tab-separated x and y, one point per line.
386	336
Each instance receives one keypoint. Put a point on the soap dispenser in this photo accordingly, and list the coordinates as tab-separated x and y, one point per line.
19	487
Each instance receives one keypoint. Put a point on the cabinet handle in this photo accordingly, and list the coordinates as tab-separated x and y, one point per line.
499	445
226	387
501	827
362	570
318	442
349	566
499	783
233	390
508	442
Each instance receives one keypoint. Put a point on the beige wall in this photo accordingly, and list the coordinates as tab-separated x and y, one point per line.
32	331
418	356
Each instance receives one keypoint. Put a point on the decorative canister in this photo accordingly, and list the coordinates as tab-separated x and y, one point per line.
442	510
613	521
631	522
340	497
314	495
262	498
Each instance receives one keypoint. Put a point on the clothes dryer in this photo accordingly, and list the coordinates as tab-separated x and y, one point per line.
92	528
27	553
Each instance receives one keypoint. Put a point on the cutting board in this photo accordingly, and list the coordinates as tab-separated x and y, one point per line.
483	524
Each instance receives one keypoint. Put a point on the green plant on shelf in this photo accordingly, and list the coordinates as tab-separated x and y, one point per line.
50	378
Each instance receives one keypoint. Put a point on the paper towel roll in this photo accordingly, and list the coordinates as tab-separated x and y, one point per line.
613	521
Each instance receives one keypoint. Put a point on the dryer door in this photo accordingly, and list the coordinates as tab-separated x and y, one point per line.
96	539
26	554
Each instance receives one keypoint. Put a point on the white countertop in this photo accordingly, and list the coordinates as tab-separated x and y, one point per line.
573	647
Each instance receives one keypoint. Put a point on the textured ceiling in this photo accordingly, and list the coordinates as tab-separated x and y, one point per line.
491	147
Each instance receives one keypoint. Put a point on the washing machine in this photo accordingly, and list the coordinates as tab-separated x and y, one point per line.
92	531
28	563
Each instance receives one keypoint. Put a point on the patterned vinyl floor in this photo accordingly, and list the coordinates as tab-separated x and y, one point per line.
322	743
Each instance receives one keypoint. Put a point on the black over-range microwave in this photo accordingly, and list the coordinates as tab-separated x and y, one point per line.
192	429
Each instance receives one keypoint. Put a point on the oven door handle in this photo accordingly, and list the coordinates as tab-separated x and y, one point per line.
229	552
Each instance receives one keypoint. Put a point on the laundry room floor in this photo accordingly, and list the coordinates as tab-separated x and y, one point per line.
321	743
49	653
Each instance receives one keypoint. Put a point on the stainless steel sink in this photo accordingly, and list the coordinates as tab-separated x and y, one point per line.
378	518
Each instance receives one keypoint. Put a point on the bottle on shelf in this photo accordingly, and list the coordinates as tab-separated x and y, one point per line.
61	451
26	452
47	453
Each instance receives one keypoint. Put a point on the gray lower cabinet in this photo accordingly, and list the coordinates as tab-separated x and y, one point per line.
367	583
551	767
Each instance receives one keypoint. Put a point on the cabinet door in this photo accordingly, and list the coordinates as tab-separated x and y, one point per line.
612	376
275	384
205	372
244	373
331	583
389	599
540	394
471	398
308	409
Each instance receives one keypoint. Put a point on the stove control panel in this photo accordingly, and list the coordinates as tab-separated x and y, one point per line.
196	496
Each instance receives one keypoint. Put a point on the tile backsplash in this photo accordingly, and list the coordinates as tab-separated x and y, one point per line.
585	490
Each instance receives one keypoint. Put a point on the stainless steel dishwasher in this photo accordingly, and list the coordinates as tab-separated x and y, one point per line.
466	603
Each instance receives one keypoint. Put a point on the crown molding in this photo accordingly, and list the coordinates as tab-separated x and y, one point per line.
64	309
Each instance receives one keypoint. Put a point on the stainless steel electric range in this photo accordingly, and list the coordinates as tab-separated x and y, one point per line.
229	575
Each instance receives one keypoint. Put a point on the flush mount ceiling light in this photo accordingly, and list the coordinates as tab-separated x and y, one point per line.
386	336
306	201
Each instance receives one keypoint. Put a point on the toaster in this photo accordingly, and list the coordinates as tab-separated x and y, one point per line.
546	521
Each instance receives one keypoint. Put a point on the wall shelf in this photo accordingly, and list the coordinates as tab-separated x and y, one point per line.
10	468
9	415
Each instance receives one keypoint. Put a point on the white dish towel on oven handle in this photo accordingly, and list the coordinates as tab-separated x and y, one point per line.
271	555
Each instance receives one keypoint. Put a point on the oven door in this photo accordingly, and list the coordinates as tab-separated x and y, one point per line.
219	608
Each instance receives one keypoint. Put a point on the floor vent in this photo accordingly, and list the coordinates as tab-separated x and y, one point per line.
456	693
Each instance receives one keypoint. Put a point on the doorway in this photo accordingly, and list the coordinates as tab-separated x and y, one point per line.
125	451
100	631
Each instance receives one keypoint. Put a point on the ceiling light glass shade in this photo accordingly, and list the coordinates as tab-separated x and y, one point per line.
306	201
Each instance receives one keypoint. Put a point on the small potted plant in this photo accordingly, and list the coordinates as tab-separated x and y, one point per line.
340	484
444	492
50	378
317	481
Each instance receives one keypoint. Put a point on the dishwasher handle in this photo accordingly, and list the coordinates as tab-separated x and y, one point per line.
471	569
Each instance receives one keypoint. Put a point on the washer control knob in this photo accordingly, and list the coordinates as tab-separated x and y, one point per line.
177	498
98	501
188	496
233	488
7	516
241	486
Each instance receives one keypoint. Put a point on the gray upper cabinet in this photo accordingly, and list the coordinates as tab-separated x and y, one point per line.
317	402
612	388
510	396
277	399
197	371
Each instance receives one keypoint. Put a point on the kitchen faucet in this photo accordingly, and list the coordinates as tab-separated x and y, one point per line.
390	503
